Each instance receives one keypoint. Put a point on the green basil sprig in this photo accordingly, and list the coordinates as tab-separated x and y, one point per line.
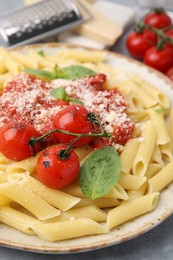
100	172
72	72
160	110
60	93
41	53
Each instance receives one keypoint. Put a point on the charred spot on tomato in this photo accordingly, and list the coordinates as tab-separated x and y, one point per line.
46	164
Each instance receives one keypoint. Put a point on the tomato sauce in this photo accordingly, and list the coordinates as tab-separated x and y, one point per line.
28	98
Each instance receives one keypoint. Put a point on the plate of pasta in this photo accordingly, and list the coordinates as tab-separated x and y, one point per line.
86	148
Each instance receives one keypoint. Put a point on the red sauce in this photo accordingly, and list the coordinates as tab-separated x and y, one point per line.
28	98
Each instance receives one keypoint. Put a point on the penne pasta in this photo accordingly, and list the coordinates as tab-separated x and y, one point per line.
161	179
38	207
17	219
131	182
145	151
132	209
91	212
76	228
55	198
82	56
160	126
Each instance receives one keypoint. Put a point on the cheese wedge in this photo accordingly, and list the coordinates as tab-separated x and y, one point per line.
100	27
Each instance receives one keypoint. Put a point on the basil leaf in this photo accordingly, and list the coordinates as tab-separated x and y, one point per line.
76	101
41	53
74	72
59	93
40	73
160	110
100	172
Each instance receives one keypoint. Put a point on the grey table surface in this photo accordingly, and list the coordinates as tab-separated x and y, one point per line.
155	244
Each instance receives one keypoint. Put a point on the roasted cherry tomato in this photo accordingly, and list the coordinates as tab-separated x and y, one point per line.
55	171
158	18
98	143
169	73
14	140
170	34
159	59
73	118
139	43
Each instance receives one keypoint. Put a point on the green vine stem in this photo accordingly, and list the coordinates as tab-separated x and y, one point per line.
91	117
140	26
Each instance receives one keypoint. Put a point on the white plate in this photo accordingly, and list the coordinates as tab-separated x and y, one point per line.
12	238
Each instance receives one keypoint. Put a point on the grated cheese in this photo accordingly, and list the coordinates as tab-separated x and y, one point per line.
28	98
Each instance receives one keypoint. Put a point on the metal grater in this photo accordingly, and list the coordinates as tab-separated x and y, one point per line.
41	20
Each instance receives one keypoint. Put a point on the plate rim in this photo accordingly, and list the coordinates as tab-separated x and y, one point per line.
106	242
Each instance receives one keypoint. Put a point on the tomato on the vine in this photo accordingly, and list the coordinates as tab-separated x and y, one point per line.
139	43
73	118
14	140
56	171
170	34
161	59
169	73
158	19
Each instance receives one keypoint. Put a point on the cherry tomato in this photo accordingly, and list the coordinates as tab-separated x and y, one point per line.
169	73
73	118
139	43
170	34
98	143
159	59
158	19
14	140
55	172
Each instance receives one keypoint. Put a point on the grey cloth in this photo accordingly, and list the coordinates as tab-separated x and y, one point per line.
156	244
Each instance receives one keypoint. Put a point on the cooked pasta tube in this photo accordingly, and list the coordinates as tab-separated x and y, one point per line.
27	165
62	61
153	168
171	122
145	150
164	177
82	152
68	229
4	162
54	197
82	55
3	68
128	155
138	114
42	62
131	182
157	156
157	94
166	151
159	123
3	78
100	203
132	209
133	194
145	99
17	219
25	60
4	200
11	64
38	207
91	212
